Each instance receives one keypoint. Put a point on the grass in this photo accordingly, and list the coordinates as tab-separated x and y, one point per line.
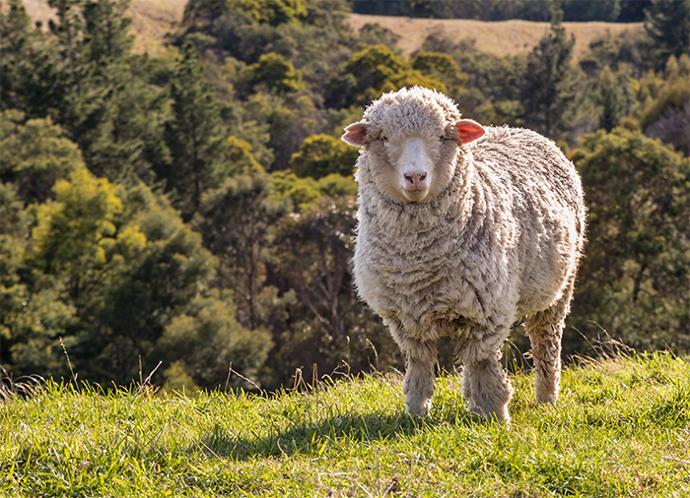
621	428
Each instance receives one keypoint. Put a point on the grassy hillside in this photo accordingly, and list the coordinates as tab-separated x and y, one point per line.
622	428
153	19
499	38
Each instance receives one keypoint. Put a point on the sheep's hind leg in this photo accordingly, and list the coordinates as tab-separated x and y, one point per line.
487	389
545	330
418	385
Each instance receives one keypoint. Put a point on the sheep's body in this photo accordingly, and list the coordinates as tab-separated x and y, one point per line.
499	243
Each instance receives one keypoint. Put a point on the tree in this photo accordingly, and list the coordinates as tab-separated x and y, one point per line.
614	97
28	71
274	73
549	86
441	67
668	115
667	22
372	71
193	134
206	341
638	250
242	247
35	155
321	155
328	322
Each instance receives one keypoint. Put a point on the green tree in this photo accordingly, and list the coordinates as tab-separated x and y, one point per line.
667	22
194	133
328	322
35	155
321	155
614	96
441	67
638	250
372	71
106	27
243	249
549	84
28	71
206	340
274	73
668	115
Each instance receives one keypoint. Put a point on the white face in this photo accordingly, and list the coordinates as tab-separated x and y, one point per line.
413	161
412	168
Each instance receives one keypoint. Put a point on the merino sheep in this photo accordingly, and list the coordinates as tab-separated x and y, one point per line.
463	237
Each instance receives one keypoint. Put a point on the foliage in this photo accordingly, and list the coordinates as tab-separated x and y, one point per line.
275	73
193	133
614	97
206	341
668	116
549	83
374	70
36	153
637	256
668	23
321	155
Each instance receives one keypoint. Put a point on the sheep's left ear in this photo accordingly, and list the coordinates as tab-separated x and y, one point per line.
469	130
355	134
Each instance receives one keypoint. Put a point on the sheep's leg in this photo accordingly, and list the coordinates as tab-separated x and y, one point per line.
545	330
418	385
487	389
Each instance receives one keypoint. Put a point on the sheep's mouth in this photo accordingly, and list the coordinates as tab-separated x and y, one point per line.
417	194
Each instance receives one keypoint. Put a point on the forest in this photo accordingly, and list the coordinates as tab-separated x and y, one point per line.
191	215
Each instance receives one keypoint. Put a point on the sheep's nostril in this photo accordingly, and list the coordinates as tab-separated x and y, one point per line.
415	178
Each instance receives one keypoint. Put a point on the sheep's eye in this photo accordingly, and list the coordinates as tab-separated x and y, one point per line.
385	139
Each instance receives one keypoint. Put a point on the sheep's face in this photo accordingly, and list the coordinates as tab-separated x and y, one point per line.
411	139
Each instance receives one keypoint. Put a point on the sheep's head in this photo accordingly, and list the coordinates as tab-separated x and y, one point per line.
411	138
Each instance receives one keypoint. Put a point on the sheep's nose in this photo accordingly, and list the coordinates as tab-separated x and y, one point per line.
415	179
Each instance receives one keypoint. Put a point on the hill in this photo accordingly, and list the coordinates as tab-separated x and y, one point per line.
620	429
498	37
152	20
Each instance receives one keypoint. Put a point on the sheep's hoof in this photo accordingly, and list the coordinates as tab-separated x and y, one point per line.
501	415
418	409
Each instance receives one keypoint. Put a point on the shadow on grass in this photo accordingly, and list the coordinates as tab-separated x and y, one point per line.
311	439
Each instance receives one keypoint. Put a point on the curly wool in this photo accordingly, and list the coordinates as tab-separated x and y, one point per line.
500	242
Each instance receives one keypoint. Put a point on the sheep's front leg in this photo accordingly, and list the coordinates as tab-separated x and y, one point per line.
487	387
419	377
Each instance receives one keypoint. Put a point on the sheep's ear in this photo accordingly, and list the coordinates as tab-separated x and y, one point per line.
469	130
355	134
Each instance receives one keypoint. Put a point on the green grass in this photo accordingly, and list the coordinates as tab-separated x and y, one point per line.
621	428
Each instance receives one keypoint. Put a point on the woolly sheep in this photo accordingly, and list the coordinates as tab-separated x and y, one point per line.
462	237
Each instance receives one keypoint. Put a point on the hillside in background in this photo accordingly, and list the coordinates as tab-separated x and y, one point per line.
619	429
152	20
495	37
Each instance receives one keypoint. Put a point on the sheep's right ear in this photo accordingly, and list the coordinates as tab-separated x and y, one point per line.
355	134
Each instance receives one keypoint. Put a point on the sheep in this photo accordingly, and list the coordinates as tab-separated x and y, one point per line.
462	231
